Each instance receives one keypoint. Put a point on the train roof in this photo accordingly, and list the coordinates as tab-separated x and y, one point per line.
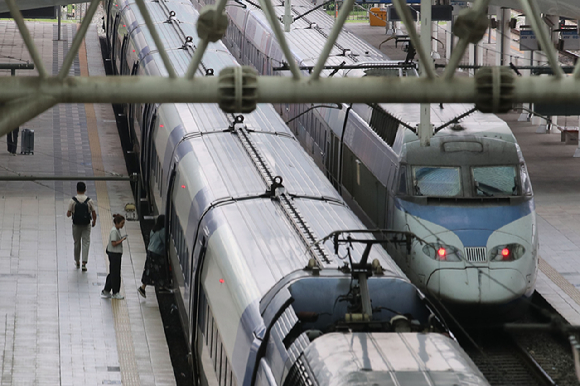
315	28
390	359
265	247
219	169
475	125
356	51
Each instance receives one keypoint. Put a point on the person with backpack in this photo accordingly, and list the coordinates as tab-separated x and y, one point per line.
82	210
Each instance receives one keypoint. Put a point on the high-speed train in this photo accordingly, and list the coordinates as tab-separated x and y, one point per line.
273	287
467	197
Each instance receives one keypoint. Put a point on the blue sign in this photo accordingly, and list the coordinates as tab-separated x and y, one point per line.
528	41
571	39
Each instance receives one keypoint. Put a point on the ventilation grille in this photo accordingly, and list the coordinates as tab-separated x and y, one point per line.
299	375
476	254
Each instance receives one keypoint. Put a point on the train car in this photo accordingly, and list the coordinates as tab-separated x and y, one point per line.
371	153
266	296
468	196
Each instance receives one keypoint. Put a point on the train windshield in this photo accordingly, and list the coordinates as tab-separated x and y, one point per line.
495	181
436	181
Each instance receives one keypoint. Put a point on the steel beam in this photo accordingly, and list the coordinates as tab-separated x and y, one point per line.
336	29
479	9
425	58
268	10
196	59
17	16
577	70
532	12
271	89
204	42
17	112
156	38
79	37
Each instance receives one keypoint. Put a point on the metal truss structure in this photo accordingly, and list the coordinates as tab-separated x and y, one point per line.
238	89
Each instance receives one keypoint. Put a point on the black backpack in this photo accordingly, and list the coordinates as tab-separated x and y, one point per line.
81	215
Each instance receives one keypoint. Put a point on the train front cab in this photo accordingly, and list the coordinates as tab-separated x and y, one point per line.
305	308
477	226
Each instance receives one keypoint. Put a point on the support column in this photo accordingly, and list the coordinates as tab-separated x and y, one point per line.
449	39
528	61
577	152
475	56
435	34
59	8
503	41
425	128
287	15
553	22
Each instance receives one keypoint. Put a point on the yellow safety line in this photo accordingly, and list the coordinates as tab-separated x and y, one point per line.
125	348
560	281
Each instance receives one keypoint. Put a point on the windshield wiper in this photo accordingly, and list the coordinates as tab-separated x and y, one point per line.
479	189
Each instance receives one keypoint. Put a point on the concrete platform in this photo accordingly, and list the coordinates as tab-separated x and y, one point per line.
54	327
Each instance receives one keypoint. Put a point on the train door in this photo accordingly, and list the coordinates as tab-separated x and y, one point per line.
198	305
328	155
133	108
109	22
124	67
334	159
114	44
325	147
149	119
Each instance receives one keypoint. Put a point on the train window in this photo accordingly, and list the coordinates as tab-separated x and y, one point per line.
217	360
153	162
207	317
403	180
495	181
385	125
159	173
436	181
224	371
215	345
211	339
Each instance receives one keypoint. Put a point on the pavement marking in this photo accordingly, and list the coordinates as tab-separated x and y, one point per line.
125	348
559	280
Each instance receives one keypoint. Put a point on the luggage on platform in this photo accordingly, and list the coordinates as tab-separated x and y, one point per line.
27	145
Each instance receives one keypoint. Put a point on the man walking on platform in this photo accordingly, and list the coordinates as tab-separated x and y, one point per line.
82	210
12	141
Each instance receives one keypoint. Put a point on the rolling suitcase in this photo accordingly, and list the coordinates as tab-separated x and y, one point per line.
27	145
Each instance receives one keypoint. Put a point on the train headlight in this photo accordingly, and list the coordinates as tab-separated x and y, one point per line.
507	252
442	252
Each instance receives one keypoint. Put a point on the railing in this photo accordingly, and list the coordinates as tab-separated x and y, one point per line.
359	14
487	45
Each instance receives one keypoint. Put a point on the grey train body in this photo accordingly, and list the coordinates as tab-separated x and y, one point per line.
256	307
371	154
